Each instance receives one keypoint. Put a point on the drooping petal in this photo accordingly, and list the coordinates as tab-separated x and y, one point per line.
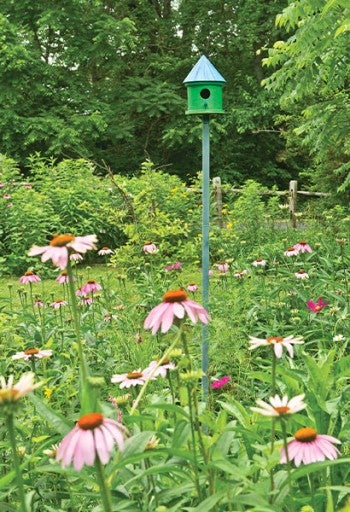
278	350
167	319
36	250
83	243
154	315
66	448
85	452
117	432
101	445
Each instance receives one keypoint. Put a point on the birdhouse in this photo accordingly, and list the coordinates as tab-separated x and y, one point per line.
204	88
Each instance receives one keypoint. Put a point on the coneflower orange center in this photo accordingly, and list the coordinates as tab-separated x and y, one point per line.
301	271
318	308
290	249
90	421
283	409
175	296
134	375
29	273
91	281
275	339
31	351
64	273
62	240
305	435
105	248
302	242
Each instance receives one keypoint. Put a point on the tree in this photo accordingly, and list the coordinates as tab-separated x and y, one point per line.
312	78
102	79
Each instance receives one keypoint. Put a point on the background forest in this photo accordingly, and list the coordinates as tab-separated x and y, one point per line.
102	80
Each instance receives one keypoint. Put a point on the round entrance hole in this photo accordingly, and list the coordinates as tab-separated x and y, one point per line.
205	94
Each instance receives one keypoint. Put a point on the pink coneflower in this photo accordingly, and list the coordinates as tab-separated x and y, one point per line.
7	196
219	383
90	287
278	342
301	274
192	287
150	248
93	436
175	304
28	186
302	246
240	273
2	184
291	251
105	251
308	446
10	392
318	306
126	380
39	303
29	277
86	300
32	353
259	262
175	266
161	370
61	246
63	278
280	406
222	266
59	303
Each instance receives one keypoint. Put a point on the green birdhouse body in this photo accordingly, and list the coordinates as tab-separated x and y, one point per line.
204	89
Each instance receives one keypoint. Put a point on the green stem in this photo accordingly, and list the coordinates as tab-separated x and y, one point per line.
285	445
16	463
76	318
193	435
160	362
273	426
273	372
104	489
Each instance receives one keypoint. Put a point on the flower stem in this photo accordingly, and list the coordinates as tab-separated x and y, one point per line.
104	489
16	463
76	318
285	445
160	362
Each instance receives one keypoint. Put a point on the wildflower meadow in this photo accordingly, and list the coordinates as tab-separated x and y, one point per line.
102	401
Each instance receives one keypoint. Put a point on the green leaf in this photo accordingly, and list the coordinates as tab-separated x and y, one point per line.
209	503
238	411
60	424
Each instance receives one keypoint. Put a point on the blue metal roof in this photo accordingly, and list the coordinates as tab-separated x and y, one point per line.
204	71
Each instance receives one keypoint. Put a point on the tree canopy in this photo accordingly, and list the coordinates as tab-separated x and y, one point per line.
102	79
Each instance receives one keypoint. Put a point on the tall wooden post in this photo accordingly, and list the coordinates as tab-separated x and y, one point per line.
293	189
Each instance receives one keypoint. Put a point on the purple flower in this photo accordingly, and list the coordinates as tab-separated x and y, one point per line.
175	304
219	383
174	266
29	277
318	306
308	446
93	436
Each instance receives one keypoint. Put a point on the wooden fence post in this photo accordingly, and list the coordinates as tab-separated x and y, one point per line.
218	200
293	190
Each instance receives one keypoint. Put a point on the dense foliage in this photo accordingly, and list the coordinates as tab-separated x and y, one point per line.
182	453
103	80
